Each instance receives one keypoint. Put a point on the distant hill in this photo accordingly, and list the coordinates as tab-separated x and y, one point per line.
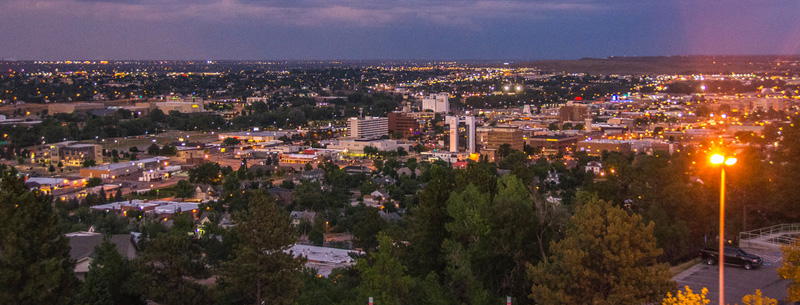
690	64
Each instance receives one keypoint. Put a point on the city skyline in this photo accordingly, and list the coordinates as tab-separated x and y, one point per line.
383	30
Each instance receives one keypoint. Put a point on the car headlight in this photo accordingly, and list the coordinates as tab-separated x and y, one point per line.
755	260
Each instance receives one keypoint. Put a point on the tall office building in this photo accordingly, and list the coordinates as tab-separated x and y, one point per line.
406	125
368	127
439	103
454	122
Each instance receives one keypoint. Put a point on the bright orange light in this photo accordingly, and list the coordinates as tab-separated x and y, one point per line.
717	159
730	161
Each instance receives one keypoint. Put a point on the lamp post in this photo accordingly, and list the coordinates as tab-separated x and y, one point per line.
722	160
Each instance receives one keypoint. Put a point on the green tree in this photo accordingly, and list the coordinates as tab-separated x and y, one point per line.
168	270
260	268
153	149
108	278
207	173
94	181
35	267
118	195
89	163
606	257
426	223
383	276
231	142
468	243
96	289
184	189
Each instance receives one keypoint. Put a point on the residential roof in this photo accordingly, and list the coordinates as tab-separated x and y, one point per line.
82	244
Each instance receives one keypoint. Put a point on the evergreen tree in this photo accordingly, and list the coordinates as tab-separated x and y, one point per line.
426	223
383	276
261	270
102	195
118	195
606	257
96	290
113	273
35	267
168	269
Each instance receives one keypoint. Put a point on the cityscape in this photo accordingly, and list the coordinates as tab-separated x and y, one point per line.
156	171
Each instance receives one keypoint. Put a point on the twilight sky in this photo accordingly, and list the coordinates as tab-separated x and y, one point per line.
393	29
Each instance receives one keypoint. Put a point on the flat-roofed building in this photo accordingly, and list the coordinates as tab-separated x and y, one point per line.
368	127
553	144
76	154
255	136
596	147
399	123
73	107
573	113
511	136
182	107
110	171
439	103
356	147
297	161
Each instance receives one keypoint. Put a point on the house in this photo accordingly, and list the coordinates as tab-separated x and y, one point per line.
594	166
300	216
354	170
284	196
82	246
552	177
313	175
204	193
406	171
384	181
324	259
380	195
553	200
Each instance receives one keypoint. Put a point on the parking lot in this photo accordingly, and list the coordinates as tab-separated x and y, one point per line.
738	281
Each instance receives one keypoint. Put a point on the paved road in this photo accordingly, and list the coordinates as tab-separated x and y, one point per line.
738	282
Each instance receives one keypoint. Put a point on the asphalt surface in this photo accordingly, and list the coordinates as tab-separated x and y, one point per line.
738	281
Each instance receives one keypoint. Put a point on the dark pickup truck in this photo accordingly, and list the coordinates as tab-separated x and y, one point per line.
733	256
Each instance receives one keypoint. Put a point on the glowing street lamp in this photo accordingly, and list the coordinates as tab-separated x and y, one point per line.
718	159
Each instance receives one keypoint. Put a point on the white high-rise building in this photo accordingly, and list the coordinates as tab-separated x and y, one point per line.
439	103
368	127
469	121
453	122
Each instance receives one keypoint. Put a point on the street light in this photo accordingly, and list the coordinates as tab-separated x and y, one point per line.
718	159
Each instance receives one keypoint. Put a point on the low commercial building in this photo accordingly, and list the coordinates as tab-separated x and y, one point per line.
255	136
596	147
182	107
77	154
110	171
73	107
297	161
356	147
553	144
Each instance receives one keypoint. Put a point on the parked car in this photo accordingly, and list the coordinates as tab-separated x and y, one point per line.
733	256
